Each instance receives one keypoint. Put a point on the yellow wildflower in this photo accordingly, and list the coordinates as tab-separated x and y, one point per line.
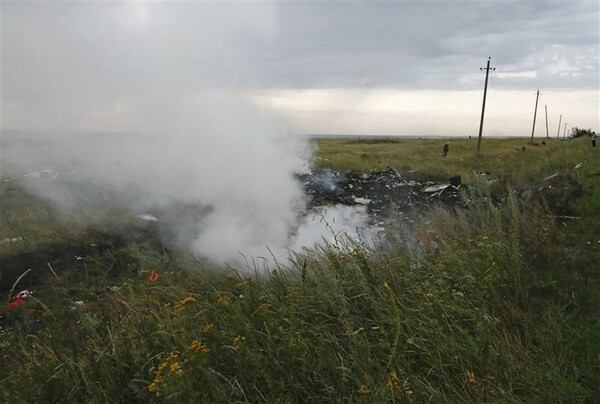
153	387
406	389
393	381
162	366
174	368
239	339
172	355
364	389
471	376
385	285
208	328
181	304
160	377
198	346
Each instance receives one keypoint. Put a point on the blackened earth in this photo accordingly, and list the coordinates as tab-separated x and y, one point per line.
383	192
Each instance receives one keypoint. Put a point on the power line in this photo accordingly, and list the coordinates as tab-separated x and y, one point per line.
500	109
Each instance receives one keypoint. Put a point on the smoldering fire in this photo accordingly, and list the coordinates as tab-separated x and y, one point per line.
240	172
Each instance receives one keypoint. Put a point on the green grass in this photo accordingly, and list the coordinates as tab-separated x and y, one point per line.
498	302
421	159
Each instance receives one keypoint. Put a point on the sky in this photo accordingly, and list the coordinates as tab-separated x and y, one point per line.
382	68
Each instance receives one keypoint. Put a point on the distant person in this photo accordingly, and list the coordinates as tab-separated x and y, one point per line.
594	137
445	149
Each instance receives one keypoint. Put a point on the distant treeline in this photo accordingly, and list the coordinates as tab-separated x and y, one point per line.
577	132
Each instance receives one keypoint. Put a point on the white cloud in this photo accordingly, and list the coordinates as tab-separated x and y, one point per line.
524	74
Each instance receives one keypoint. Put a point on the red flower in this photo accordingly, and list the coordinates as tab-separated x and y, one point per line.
15	303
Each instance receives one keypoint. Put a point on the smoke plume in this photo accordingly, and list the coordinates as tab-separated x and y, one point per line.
141	108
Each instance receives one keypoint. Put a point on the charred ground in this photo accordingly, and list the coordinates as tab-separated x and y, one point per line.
104	252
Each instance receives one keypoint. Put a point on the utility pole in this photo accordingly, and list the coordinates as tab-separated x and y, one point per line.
546	108
535	113
487	72
558	132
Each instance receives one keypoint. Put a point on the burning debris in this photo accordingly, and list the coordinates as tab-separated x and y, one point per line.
378	191
362	205
318	206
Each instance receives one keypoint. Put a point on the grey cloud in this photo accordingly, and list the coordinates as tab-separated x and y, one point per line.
62	60
408	44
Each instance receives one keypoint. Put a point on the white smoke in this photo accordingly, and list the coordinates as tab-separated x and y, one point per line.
176	76
336	225
225	159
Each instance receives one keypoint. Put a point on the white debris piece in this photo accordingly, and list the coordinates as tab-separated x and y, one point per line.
147	217
47	174
34	174
436	188
362	201
10	240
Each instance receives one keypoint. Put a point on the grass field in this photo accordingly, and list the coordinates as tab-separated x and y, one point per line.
498	302
421	159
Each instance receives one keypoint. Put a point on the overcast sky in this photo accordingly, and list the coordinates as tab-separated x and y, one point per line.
405	67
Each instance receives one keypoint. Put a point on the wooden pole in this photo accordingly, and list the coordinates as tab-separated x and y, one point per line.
546	108
558	131
487	72
535	113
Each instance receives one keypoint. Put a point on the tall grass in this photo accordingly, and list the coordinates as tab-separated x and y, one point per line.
452	321
493	302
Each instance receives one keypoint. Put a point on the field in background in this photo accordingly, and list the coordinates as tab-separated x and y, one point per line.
498	302
421	159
